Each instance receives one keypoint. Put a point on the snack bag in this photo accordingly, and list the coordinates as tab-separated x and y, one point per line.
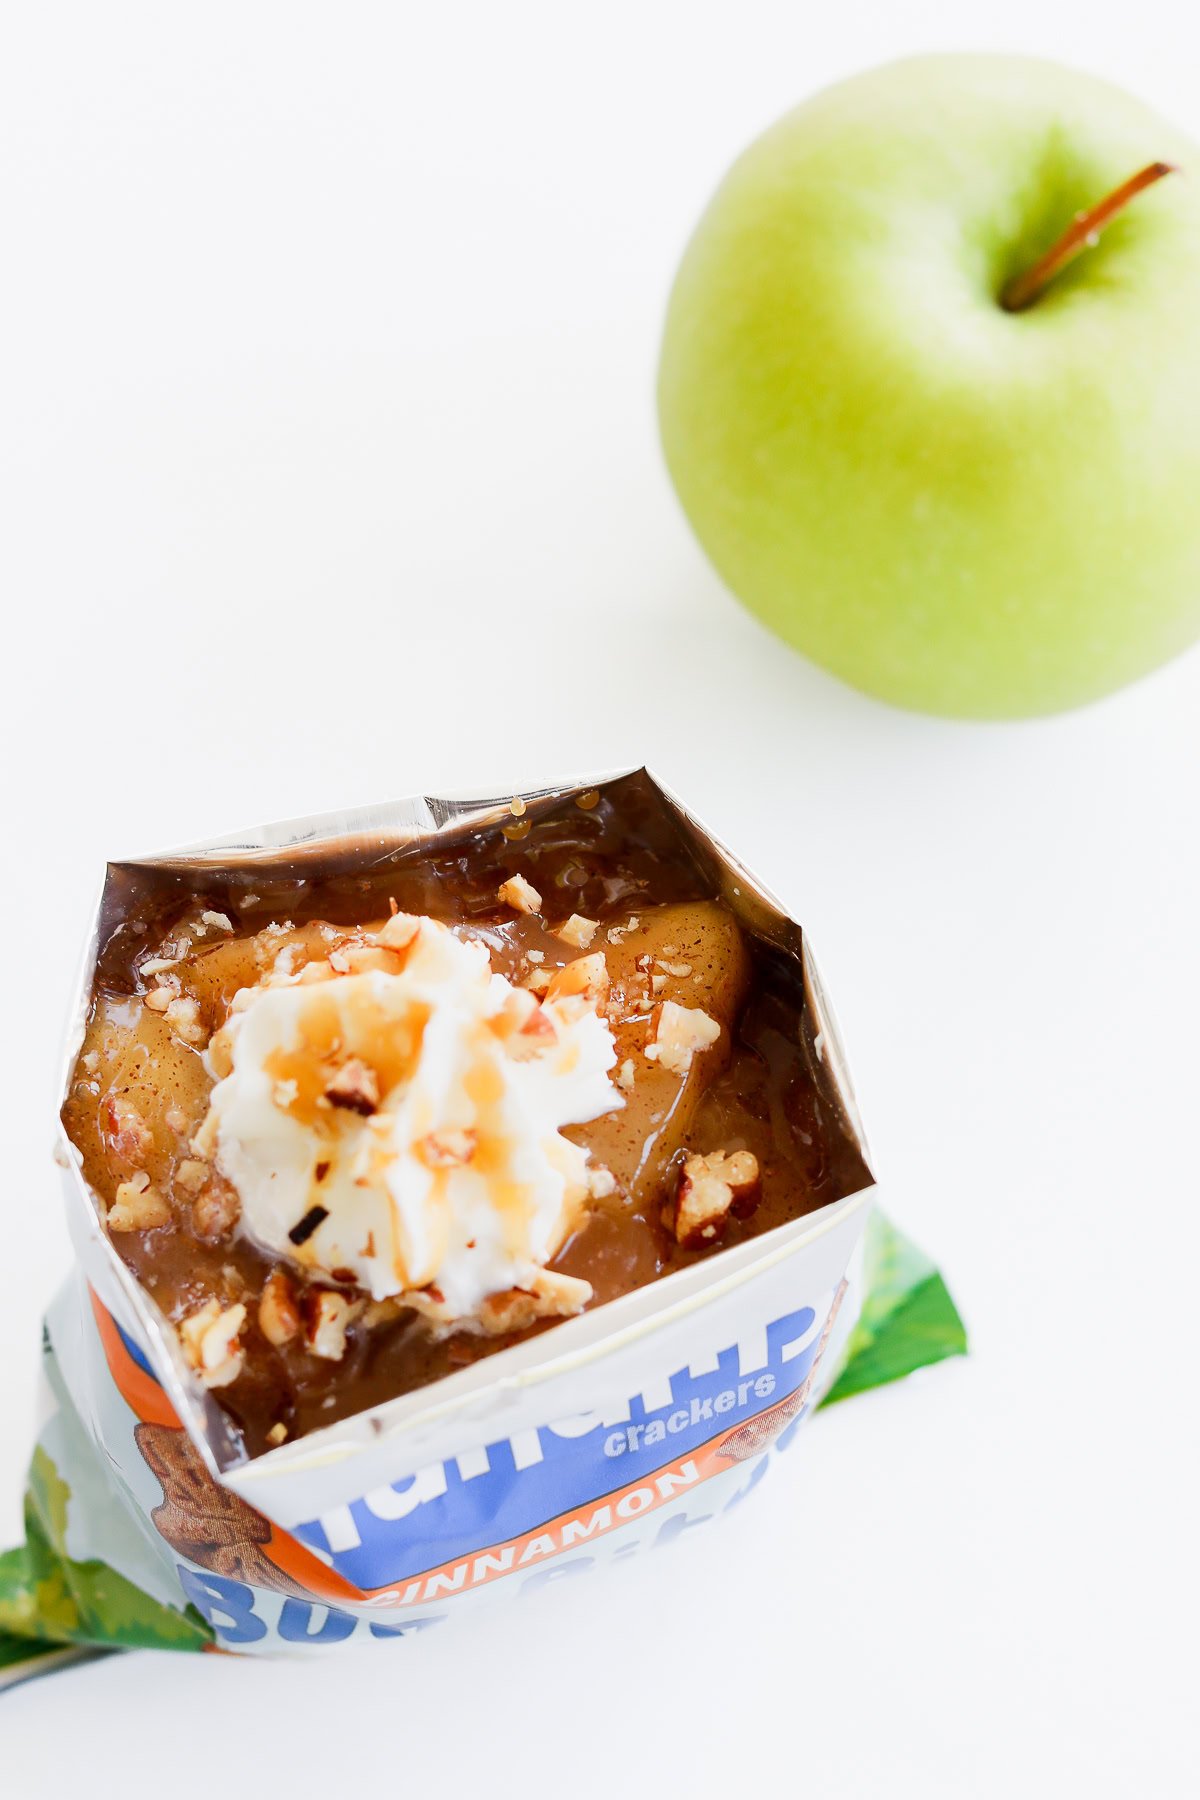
676	1275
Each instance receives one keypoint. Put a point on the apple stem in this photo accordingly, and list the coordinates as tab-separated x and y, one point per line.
1080	235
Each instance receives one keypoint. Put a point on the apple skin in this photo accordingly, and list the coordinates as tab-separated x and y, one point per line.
956	508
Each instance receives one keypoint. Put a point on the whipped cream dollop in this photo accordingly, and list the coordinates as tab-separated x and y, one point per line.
392	1114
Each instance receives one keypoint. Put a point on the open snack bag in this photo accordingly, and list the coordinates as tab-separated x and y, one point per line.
463	1191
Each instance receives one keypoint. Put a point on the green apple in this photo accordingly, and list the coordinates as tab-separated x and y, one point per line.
961	477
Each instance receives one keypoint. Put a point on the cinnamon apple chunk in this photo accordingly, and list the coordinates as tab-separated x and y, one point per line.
677	982
141	1090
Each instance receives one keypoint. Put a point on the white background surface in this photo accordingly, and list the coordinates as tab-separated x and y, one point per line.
330	472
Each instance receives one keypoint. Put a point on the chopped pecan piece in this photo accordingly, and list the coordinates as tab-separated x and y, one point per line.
680	1033
601	1182
216	1210
138	1206
211	1344
278	1314
157	965
578	931
399	931
192	1174
447	1149
617	933
587	976
183	1016
130	1139
220	1047
520	894
549	1295
711	1189
328	1317
355	1087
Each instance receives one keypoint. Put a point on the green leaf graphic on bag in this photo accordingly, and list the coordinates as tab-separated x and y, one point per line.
45	1594
908	1319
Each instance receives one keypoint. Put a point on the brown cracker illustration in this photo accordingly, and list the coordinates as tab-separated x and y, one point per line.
203	1521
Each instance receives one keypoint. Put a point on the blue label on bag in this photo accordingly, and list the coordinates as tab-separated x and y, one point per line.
458	1525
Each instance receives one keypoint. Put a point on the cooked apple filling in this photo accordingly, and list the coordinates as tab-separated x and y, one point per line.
355	1131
